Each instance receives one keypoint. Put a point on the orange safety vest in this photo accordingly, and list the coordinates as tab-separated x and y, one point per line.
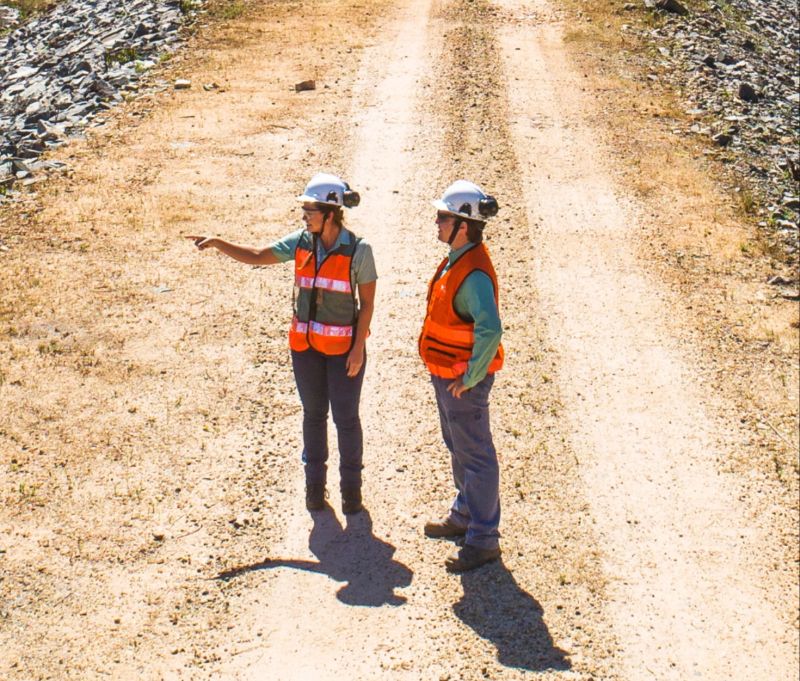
325	309
446	341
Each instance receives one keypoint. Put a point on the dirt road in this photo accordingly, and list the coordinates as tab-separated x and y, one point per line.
153	515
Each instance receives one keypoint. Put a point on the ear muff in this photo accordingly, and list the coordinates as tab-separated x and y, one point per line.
332	197
351	198
488	207
465	209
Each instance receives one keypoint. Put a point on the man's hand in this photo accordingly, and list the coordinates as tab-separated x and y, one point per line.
202	242
457	388
355	360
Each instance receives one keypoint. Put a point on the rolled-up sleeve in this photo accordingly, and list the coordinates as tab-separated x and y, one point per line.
364	264
475	299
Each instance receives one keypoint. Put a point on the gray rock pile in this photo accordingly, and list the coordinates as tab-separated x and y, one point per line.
735	62
59	69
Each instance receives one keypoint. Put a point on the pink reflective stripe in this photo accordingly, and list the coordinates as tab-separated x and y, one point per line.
334	284
330	330
300	327
304	282
324	283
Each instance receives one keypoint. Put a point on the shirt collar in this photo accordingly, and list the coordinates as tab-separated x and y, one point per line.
456	254
342	240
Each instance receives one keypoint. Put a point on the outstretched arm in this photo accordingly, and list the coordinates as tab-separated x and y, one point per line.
245	254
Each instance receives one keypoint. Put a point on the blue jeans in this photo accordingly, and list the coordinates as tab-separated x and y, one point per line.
467	434
321	381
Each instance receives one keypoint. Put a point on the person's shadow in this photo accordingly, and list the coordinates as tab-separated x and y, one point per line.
350	554
498	610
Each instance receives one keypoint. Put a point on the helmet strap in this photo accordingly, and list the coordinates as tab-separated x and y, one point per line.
456	225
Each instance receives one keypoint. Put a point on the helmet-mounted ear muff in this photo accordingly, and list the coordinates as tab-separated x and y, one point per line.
350	198
488	207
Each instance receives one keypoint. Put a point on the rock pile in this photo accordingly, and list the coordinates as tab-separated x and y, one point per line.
59	69
735	62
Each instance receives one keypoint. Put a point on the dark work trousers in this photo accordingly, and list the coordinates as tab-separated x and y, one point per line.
468	436
322	380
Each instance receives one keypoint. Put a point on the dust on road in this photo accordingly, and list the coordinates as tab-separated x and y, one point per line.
155	526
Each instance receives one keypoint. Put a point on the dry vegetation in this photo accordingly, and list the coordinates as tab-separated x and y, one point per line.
700	238
30	7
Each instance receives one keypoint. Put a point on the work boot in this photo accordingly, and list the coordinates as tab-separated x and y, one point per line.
315	496
351	500
469	557
443	529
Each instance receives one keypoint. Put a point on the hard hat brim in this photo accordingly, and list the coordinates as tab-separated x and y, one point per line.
442	207
305	198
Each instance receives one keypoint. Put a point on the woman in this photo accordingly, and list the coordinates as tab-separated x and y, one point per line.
329	328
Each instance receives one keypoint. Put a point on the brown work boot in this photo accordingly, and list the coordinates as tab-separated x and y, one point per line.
443	529
469	557
351	500
315	496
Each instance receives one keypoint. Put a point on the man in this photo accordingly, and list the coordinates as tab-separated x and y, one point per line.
460	345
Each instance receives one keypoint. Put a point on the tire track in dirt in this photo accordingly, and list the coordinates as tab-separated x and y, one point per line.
421	117
318	628
689	595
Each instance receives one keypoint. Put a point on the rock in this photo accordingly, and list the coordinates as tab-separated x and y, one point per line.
794	169
672	6
305	85
722	139
747	92
792	202
778	280
65	65
708	60
49	132
159	534
182	84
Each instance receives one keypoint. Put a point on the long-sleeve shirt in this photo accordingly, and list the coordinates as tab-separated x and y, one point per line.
475	300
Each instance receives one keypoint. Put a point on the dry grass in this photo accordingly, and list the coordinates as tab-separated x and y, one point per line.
700	238
30	7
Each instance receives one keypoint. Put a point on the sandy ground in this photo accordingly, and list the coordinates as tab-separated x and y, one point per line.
153	518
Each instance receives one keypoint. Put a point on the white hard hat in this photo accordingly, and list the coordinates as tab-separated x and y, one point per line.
467	200
330	190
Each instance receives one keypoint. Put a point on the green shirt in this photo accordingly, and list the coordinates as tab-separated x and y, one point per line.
475	300
363	269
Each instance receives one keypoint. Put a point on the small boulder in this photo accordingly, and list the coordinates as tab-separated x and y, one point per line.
672	6
722	139
305	85
747	92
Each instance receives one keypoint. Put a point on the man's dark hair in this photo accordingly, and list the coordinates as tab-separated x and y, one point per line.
474	230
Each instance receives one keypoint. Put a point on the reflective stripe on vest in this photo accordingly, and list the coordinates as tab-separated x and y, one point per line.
446	341
324	302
